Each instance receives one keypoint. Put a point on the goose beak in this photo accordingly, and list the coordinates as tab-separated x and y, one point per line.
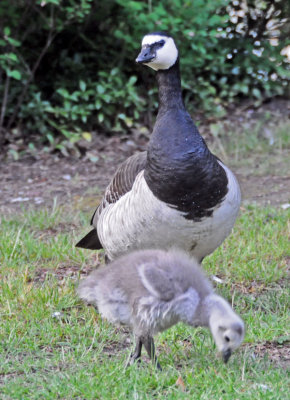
226	355
146	55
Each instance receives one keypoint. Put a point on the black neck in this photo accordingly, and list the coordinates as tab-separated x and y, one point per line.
180	169
169	87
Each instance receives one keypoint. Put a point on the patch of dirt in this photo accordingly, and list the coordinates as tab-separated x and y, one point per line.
64	271
275	352
81	183
51	232
61	366
45	179
265	190
4	377
115	347
42	181
253	287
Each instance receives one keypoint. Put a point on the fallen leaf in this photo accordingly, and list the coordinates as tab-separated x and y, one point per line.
180	383
87	136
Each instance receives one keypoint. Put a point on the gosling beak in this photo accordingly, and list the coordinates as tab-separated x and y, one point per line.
146	55
226	355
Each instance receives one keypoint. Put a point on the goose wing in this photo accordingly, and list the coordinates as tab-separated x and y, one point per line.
157	281
121	183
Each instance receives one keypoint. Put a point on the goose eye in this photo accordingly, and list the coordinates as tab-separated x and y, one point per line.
160	43
227	339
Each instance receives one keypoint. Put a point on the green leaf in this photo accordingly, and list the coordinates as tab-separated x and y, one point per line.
257	93
83	86
13	42
50	138
45	2
63	92
14	154
12	56
136	6
122	116
7	31
98	104
132	80
100	89
14	74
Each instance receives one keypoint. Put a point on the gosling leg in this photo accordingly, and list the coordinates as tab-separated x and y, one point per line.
135	356
150	348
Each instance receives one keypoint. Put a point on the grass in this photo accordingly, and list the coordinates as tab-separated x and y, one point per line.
262	152
54	347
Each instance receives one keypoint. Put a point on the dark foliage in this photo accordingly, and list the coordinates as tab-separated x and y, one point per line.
67	66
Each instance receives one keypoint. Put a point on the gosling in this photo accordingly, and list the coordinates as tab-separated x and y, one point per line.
152	290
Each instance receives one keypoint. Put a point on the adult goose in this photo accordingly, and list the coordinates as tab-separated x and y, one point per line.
177	194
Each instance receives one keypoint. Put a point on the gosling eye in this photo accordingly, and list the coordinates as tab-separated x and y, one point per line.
227	339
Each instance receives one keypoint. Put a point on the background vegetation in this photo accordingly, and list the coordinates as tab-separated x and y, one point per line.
67	66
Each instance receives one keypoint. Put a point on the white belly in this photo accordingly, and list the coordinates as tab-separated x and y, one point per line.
140	221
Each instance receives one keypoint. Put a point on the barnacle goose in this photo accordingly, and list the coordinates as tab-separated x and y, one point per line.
152	290
177	193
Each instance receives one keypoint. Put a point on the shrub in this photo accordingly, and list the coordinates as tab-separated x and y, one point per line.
67	67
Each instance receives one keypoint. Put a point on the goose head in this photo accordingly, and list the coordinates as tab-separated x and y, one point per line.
227	328
158	51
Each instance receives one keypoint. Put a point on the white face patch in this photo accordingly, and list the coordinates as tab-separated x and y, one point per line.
166	55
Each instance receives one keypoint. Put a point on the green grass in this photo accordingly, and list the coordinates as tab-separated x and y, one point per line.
79	356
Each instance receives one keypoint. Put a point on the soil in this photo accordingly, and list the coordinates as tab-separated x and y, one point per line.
44	179
40	181
275	352
48	178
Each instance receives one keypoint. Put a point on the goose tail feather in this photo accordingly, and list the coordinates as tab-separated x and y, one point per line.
91	241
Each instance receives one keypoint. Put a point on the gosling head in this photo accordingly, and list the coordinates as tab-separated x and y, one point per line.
227	328
158	51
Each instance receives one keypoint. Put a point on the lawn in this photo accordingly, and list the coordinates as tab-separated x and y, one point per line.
54	347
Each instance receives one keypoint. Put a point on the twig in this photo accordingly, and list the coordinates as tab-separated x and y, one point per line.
4	103
233	298
15	243
92	343
244	366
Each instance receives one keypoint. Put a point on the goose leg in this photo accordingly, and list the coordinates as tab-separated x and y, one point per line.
135	356
150	348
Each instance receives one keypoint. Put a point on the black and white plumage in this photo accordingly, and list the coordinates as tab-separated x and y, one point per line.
152	290
175	194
